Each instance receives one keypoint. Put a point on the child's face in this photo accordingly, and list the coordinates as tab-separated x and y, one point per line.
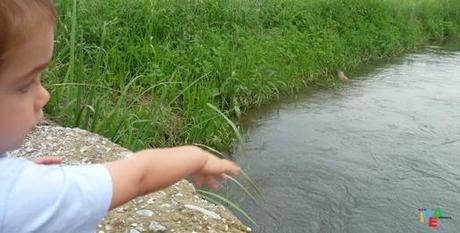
22	96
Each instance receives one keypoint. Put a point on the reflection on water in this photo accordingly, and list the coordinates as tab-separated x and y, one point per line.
363	158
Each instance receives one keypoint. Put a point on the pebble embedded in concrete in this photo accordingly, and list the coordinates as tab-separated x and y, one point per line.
206	212
156	227
144	213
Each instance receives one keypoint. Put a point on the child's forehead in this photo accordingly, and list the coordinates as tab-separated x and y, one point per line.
28	56
18	19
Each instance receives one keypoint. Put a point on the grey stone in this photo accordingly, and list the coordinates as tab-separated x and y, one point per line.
133	231
144	213
156	227
206	212
127	230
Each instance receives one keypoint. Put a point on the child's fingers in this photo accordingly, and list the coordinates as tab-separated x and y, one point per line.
232	168
46	160
212	183
198	180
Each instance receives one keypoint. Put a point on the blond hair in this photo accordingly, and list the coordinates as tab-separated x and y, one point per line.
17	17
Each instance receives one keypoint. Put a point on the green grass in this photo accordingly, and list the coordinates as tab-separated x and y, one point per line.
143	73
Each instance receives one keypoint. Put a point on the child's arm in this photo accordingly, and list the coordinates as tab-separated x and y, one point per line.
151	170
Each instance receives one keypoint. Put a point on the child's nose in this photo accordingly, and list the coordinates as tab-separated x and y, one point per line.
42	99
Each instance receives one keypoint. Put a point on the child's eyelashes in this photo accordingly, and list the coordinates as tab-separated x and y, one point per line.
26	88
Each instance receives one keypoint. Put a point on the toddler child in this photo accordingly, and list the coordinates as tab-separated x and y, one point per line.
51	198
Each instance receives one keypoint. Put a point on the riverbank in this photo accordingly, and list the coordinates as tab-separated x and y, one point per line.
142	73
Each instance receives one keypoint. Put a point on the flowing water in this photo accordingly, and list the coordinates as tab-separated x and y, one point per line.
362	158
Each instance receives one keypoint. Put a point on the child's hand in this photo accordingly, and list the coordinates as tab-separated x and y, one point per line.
214	168
47	160
151	170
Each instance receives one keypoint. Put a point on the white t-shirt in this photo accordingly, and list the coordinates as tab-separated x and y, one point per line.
52	198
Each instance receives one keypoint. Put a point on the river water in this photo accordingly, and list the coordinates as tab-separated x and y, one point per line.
364	157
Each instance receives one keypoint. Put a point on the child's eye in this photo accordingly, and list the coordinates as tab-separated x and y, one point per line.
26	88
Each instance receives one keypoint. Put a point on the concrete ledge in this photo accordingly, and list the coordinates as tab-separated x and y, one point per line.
175	209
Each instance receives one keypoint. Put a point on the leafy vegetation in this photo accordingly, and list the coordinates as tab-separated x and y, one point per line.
144	73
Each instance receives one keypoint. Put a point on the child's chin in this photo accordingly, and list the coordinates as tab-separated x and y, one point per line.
13	142
21	139
14	146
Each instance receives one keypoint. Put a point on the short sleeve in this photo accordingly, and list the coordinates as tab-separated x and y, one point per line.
52	198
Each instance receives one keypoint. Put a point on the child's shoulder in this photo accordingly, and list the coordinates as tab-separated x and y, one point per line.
52	196
10	168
